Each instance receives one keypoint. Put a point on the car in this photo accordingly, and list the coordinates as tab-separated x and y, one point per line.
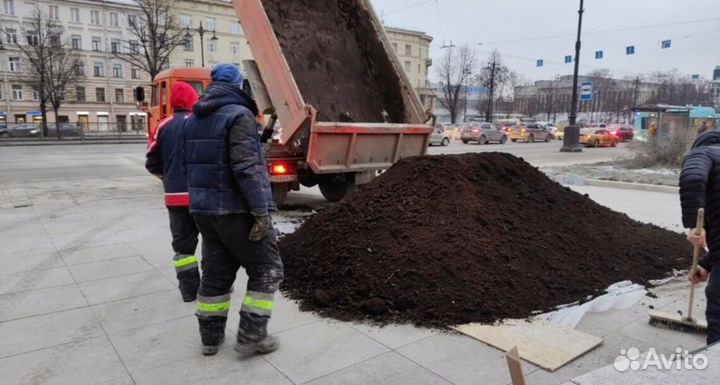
69	130
483	133
529	133
597	137
439	136
21	130
624	132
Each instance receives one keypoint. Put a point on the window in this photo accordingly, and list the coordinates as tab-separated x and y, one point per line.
32	37
210	24
135	73
235	48
96	44
75	15
79	68
95	17
234	28
117	70
55	40
407	66
9	7
119	95
408	50
395	46
114	19
189	63
35	94
80	94
115	46
188	45
132	19
11	36
76	42
53	12
419	69
14	64
17	92
100	95
98	69
185	20
134	47
212	46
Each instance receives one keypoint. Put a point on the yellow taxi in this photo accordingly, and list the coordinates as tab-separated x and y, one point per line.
597	137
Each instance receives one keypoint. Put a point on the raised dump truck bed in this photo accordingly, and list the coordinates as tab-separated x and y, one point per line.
329	73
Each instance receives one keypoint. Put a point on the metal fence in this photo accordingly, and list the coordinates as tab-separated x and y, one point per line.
77	131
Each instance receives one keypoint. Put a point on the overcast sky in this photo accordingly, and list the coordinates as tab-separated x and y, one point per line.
693	26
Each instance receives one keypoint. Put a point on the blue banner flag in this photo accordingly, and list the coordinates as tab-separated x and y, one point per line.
598	54
666	44
630	50
540	63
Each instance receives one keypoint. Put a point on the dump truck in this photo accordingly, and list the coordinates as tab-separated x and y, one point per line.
337	107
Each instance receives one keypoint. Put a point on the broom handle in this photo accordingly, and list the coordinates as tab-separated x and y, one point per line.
696	256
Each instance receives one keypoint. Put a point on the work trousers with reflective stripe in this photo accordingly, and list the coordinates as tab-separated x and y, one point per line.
225	249
184	242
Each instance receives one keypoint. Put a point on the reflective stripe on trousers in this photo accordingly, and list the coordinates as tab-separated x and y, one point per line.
213	306
184	262
258	303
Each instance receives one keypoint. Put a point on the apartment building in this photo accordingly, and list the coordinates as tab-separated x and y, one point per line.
102	98
413	51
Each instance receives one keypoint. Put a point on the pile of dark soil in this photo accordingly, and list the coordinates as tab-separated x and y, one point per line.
339	68
443	240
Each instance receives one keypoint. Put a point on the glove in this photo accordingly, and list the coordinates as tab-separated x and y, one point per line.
263	224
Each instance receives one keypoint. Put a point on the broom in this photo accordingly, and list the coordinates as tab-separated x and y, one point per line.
677	321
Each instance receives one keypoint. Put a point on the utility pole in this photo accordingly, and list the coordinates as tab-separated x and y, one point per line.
466	73
571	137
201	31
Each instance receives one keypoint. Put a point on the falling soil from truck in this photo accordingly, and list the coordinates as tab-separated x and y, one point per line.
340	68
443	240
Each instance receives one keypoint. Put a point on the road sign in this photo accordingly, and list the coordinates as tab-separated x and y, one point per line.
586	91
540	63
630	50
568	59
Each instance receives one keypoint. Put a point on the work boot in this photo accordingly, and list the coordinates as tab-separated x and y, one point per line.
189	283
211	350
266	345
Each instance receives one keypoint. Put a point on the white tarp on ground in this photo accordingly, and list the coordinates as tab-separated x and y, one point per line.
618	296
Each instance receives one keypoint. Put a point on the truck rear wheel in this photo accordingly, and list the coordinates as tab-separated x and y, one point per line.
279	193
336	187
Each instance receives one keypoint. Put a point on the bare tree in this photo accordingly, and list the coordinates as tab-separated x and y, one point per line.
455	69
671	87
155	35
62	70
496	77
41	35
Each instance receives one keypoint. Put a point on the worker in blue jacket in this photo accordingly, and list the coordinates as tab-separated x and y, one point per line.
231	201
700	188
164	157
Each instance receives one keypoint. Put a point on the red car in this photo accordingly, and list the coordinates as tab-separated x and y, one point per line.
624	132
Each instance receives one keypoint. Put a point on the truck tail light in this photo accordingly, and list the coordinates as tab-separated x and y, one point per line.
279	168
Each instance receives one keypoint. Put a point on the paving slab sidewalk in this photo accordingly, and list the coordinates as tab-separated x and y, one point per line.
85	298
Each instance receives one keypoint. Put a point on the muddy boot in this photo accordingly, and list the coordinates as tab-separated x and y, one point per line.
212	334
189	283
266	345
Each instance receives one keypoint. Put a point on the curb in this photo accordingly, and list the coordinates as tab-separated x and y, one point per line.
73	142
632	186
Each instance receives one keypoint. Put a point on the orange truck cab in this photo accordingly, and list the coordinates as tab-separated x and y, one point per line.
159	106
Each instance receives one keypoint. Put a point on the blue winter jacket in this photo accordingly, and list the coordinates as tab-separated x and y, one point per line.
226	168
164	159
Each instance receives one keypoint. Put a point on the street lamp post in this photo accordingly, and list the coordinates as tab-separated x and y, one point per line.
571	136
201	31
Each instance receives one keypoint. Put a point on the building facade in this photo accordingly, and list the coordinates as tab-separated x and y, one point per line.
413	50
102	98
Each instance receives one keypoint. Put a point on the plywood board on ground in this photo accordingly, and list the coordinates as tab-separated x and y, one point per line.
539	342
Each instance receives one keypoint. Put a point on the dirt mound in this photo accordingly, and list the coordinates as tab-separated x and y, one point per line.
443	240
338	68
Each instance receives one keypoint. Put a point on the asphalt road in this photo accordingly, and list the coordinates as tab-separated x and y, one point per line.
38	163
539	154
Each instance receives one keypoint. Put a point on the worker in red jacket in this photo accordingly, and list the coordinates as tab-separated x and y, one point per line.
164	160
